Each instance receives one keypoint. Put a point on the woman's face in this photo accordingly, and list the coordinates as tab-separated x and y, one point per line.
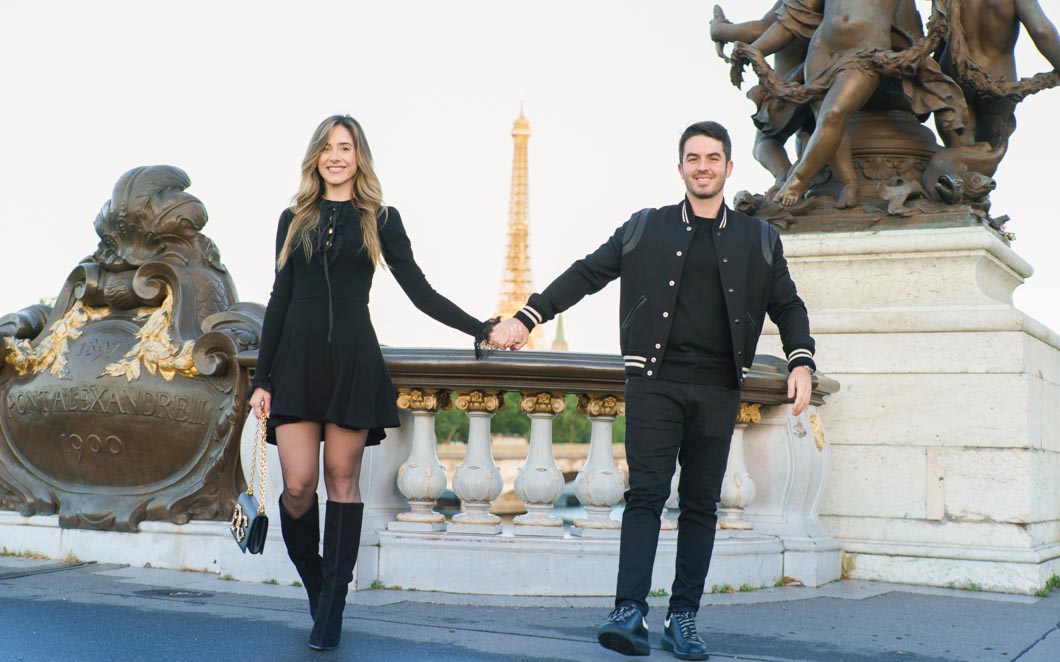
338	164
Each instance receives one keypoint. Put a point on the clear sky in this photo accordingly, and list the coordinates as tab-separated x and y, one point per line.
231	91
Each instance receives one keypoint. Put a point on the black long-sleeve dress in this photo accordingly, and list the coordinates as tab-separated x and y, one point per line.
319	355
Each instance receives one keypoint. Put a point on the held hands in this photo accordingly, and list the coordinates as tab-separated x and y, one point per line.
260	402
510	334
800	385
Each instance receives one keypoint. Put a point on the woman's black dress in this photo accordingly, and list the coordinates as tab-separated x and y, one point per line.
319	356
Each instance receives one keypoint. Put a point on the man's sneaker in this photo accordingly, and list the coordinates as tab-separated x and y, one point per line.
625	632
681	638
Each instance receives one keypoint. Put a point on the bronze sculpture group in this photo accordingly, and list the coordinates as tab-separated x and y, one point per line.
853	80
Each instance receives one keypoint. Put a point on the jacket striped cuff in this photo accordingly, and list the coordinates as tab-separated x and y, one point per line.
528	316
799	357
634	361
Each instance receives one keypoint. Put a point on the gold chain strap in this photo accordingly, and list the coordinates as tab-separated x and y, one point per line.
258	463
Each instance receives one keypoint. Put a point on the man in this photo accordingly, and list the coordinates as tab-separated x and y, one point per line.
697	281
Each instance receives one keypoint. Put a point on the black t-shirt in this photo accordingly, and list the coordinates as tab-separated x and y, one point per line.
699	350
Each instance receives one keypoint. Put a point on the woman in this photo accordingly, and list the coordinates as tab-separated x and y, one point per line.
320	374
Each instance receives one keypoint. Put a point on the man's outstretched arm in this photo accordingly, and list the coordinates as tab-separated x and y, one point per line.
586	276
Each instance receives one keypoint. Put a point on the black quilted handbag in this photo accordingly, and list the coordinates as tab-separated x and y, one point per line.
249	524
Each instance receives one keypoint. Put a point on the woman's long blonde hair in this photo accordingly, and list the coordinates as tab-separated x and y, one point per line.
367	194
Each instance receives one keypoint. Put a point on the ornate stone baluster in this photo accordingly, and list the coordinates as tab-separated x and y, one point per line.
738	488
477	481
599	484
539	481
422	478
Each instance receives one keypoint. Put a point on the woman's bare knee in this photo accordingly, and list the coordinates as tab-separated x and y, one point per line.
299	449
343	450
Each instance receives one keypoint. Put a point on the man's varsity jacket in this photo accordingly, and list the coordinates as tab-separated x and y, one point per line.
648	253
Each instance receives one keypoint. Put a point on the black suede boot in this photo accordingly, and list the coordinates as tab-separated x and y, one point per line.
302	537
342	539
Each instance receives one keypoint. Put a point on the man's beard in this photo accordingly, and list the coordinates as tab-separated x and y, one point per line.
707	195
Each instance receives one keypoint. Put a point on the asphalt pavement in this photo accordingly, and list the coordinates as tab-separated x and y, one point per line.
55	611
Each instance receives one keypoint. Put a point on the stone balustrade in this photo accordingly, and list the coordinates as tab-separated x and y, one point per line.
768	530
412	541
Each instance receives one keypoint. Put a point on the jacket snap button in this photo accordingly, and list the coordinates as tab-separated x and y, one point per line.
717	234
730	290
658	346
671	283
737	320
649	373
724	259
678	253
666	314
688	229
653	359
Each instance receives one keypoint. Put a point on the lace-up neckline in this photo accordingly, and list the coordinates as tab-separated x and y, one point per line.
329	244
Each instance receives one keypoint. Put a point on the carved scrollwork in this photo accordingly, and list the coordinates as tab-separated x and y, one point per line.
750	412
480	400
417	399
225	335
27	323
601	404
542	403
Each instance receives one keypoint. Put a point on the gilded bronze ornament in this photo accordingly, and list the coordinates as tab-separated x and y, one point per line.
818	431
417	399
125	401
542	403
480	400
750	412
601	404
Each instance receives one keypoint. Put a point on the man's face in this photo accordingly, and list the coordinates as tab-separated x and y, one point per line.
703	167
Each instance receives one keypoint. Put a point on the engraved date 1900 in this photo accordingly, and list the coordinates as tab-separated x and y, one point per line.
93	444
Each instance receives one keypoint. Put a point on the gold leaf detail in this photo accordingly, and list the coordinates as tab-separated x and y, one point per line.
543	403
601	404
750	412
491	401
818	431
418	399
50	353
156	350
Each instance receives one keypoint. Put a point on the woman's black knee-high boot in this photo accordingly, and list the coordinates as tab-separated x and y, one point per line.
342	538
302	537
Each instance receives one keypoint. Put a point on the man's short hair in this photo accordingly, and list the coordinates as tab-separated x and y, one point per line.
710	130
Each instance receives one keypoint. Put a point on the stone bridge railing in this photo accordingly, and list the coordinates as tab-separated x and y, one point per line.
769	495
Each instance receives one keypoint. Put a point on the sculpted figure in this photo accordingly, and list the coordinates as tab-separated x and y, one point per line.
980	56
776	120
851	49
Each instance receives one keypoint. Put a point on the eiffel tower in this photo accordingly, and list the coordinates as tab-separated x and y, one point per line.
516	281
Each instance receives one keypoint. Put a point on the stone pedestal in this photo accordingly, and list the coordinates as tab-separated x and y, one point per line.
945	438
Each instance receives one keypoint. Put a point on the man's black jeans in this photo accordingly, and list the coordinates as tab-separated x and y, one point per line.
665	422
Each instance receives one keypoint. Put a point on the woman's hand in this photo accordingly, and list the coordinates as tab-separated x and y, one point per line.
261	402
